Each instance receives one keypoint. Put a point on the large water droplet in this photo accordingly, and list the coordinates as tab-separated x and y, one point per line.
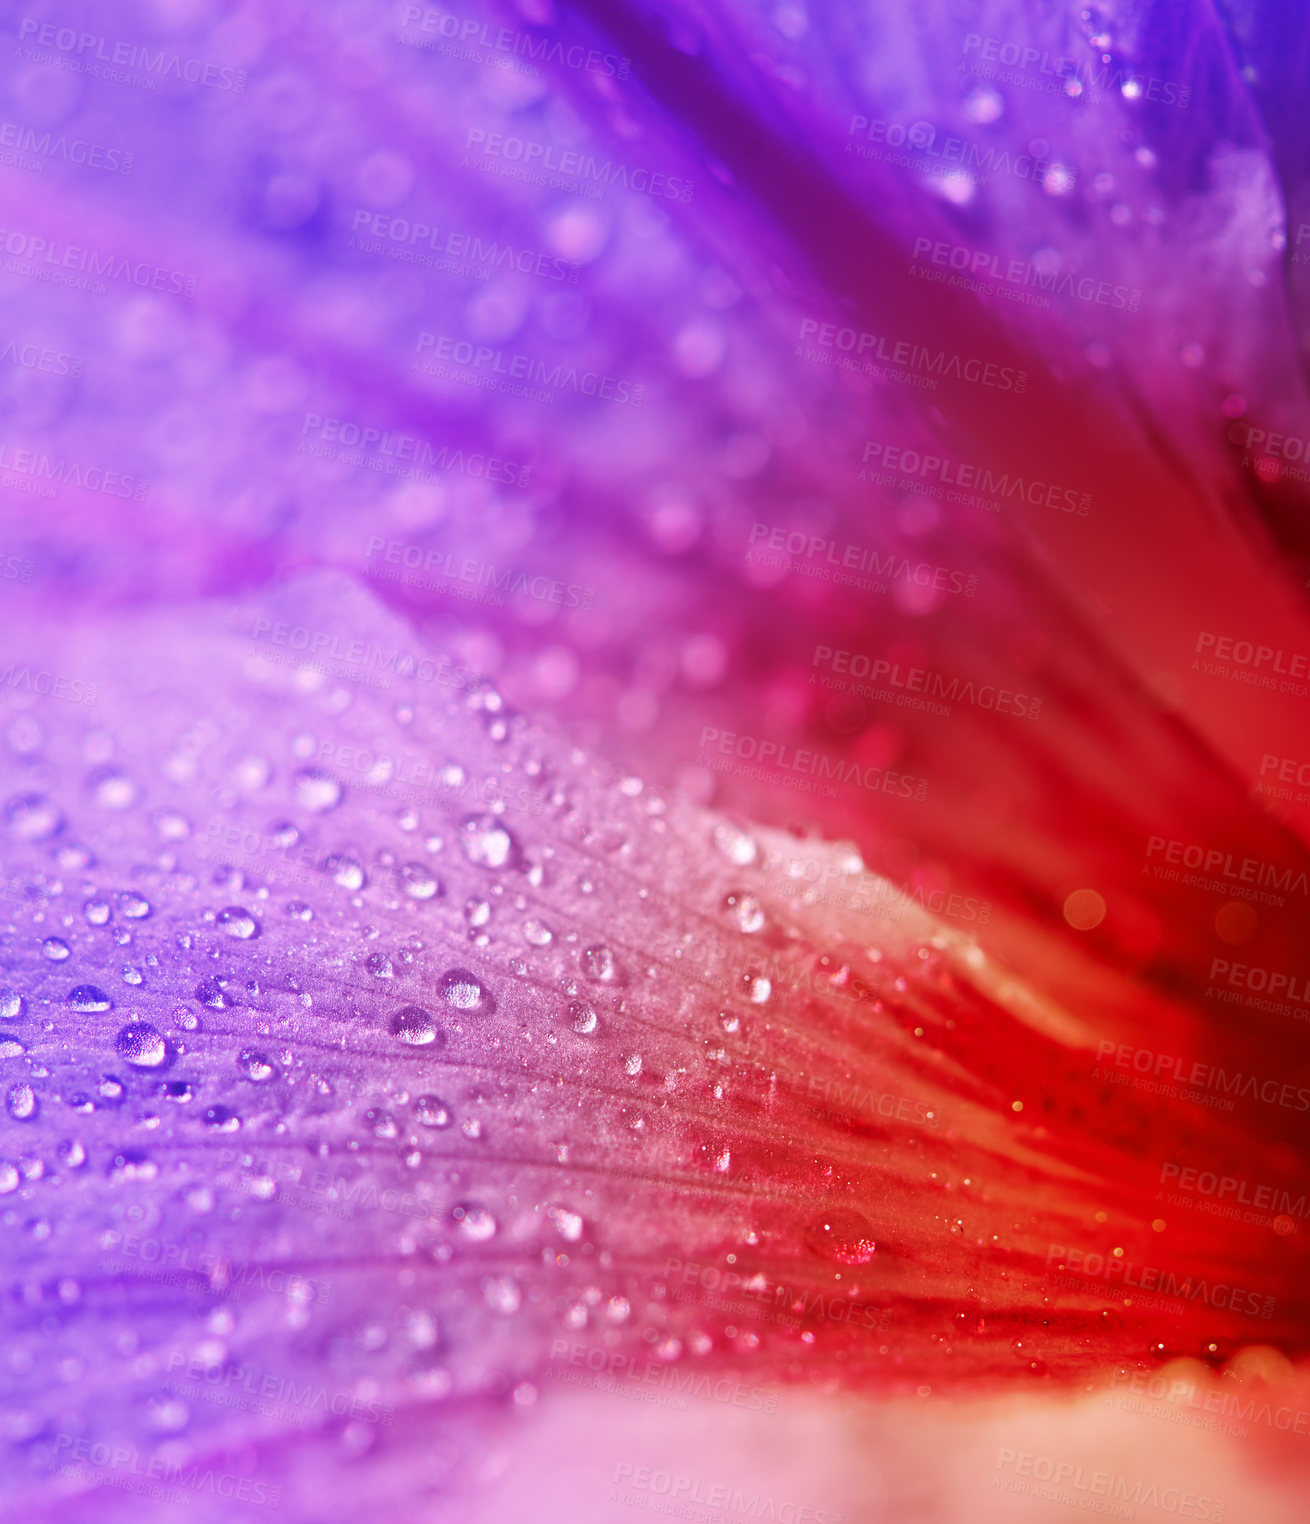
89	997
746	912
465	992
843	1236
583	1016
256	1065
238	923
12	1005
141	1045
316	790
96	912
32	817
112	789
21	1103
473	1222
487	842
415	1026
598	963
419	882
432	1111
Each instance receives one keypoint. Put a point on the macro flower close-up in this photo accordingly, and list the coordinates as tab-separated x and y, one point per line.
654	768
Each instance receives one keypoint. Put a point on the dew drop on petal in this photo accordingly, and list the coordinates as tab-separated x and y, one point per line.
464	991
238	923
419	882
316	790
56	949
112	789
32	817
12	1004
141	1045
255	1065
20	1102
134	906
583	1016
746	912
380	966
96	912
598	963
431	1111
89	997
415	1026
537	933
843	1236
487	843
10	1179
473	1222
737	846
221	1119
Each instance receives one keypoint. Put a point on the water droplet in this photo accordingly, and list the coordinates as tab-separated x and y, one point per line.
141	1045
72	1153
420	883
12	1005
379	965
56	949
283	834
9	1177
10	1047
465	992
21	1103
501	1293
538	933
567	1224
432	1111
415	1026
238	923
756	987
473	1222
32	817
89	997
738	847
96	911
255	1065
843	1236
213	993
347	872
316	790
746	911
382	1123
632	1064
583	1016
598	963
221	1119
133	905
487	843
112	789
477	912
172	826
